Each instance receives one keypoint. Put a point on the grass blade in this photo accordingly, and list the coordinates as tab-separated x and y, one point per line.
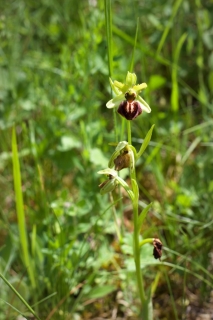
20	207
135	44
169	25
175	89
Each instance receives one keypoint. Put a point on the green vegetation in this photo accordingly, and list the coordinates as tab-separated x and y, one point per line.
59	247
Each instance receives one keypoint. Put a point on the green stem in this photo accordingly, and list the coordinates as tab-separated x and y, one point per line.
108	25
143	242
136	250
129	132
117	228
19	296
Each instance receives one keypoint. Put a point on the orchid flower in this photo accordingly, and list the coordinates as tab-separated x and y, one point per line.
129	102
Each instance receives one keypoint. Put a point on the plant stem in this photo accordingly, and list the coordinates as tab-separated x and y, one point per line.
136	242
129	132
108	25
116	220
137	254
148	240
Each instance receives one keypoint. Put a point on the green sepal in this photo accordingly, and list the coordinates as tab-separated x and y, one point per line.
134	157
108	186
133	149
132	161
121	145
145	107
126	187
145	142
142	216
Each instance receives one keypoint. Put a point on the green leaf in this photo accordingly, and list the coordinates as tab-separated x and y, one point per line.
20	207
143	214
100	292
145	142
147	310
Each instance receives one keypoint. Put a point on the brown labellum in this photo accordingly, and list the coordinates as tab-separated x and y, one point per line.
129	110
157	251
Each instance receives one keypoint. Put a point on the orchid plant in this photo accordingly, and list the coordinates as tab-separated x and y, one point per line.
130	105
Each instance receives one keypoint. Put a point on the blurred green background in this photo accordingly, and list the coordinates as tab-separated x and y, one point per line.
54	85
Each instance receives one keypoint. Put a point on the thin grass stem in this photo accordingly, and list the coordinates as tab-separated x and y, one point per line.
19	296
108	25
135	43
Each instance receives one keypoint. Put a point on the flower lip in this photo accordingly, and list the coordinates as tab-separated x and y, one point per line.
130	110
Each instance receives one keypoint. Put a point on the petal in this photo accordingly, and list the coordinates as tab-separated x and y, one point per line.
140	87
145	107
115	101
